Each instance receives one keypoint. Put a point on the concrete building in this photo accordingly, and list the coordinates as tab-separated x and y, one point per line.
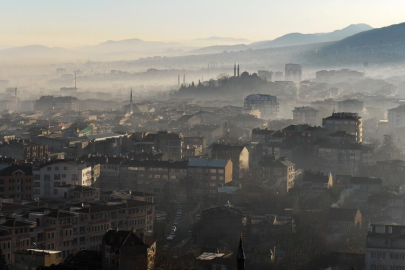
351	105
125	249
27	259
306	115
293	72
238	154
266	75
342	222
385	247
266	104
59	173
336	76
205	176
352	123
277	173
396	118
170	143
346	158
24	150
57	103
152	176
16	182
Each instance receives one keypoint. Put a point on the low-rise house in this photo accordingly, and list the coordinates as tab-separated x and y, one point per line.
343	221
34	258
315	184
125	249
220	221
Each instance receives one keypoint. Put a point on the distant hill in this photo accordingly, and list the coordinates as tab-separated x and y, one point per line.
219	49
294	39
35	54
224	40
380	45
390	35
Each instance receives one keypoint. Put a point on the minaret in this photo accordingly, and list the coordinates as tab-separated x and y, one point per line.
240	259
131	106
16	99
238	70
234	70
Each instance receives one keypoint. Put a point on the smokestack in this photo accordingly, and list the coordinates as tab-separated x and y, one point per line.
184	79
238	70
234	70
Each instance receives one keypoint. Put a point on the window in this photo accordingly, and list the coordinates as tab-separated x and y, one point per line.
48	168
213	178
213	170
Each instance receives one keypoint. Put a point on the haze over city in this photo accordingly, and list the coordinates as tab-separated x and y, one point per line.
202	135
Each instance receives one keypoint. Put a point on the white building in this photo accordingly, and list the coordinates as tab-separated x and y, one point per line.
266	104
60	173
385	247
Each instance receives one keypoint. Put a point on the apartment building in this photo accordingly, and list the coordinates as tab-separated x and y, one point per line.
342	158
266	104
170	143
16	182
24	150
109	171
385	247
293	72
306	115
352	123
277	173
76	227
237	153
205	176
396	118
59	173
152	176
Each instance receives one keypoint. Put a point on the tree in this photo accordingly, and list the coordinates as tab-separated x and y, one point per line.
303	242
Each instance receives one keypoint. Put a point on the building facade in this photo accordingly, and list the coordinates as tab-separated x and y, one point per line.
352	123
266	104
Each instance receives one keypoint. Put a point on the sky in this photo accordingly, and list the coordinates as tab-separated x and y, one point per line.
74	23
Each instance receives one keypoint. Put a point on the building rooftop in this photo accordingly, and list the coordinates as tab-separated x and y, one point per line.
342	214
207	162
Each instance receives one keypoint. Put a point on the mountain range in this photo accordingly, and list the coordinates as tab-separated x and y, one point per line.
294	39
354	43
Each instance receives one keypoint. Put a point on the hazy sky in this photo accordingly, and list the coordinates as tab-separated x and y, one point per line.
70	23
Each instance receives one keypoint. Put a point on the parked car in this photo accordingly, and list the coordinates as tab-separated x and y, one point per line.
176	222
198	217
174	228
